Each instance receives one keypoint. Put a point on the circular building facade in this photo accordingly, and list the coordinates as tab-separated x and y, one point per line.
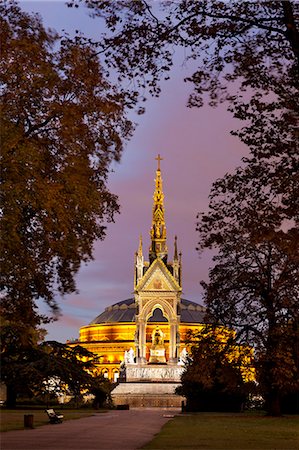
113	332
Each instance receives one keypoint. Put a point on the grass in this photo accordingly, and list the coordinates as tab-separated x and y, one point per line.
13	419
215	431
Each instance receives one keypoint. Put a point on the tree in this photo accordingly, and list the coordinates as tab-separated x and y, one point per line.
254	286
19	343
101	390
219	374
285	364
62	124
290	401
73	366
28	364
247	54
229	41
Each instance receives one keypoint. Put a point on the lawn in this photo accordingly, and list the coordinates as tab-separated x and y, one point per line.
228	431
13	419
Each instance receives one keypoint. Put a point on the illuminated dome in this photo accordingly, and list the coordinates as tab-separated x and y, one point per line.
125	311
113	332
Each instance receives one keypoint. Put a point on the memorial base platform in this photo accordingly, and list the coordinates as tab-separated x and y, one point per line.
149	386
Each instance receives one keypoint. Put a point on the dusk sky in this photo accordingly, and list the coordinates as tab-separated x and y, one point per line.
196	147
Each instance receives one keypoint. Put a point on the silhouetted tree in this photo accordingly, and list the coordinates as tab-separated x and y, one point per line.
247	41
28	364
246	53
285	363
101	390
219	373
19	345
254	285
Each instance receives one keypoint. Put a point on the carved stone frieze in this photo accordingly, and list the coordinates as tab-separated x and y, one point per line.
154	373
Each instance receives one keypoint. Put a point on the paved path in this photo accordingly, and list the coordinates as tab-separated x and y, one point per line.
115	430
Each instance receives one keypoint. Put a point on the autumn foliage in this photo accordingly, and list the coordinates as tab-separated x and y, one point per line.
62	124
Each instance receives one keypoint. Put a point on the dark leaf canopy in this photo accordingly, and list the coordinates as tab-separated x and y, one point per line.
225	39
244	53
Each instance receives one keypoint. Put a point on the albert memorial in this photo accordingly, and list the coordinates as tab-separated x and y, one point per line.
141	341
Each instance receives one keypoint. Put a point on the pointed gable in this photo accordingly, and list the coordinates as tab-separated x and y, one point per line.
158	278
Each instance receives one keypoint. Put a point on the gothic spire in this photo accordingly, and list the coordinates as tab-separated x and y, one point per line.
175	248
140	246
158	230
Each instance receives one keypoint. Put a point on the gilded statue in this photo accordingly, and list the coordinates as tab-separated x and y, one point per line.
157	338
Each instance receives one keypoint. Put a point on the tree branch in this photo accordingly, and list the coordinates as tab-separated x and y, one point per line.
33	128
291	33
150	12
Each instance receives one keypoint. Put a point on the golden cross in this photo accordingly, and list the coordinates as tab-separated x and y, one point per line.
159	159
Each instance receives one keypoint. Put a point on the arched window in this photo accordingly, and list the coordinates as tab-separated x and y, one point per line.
105	373
157	316
115	376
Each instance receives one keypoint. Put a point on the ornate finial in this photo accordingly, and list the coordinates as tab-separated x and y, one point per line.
159	159
158	229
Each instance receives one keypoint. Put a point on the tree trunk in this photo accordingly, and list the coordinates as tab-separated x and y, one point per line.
292	33
274	404
11	401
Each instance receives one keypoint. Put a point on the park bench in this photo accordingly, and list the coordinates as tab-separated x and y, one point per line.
53	416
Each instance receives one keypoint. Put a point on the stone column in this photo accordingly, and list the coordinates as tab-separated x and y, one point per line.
172	341
136	341
142	341
178	342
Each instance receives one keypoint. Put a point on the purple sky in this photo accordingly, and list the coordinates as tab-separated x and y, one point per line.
197	148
